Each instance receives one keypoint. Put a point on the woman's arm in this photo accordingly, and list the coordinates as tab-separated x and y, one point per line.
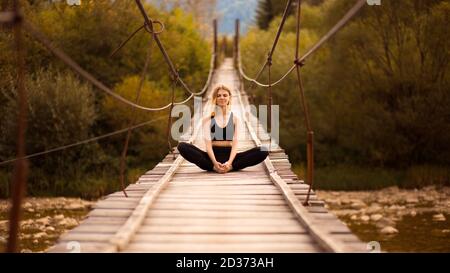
207	138
235	140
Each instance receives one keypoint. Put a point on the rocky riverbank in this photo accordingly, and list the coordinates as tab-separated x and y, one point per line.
392	215
44	220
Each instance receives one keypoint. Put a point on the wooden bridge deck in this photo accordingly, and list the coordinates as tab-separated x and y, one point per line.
177	207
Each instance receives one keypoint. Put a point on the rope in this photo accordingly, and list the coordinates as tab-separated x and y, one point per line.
341	23
272	50
135	32
149	24
82	142
127	138
83	73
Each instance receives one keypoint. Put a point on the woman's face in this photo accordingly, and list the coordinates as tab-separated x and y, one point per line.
222	98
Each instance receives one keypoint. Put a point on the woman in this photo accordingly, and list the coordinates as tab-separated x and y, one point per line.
221	131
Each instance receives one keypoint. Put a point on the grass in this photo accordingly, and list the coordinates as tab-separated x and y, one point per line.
92	186
346	177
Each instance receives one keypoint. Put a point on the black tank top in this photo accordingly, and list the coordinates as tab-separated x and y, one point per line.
219	133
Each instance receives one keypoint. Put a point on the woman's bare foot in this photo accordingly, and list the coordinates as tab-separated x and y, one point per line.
218	168
227	167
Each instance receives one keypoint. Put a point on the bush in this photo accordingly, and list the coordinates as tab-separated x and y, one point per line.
61	111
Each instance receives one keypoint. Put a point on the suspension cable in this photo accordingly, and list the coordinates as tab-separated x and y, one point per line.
341	23
83	141
133	120
86	75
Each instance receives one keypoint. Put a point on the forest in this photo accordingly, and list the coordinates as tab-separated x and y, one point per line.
378	92
63	108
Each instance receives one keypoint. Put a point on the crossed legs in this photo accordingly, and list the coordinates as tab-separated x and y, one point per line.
200	158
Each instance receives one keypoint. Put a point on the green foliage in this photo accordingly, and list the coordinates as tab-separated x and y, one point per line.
151	137
60	110
63	109
377	92
269	10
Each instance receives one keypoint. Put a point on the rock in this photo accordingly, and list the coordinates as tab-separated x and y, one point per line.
26	236
401	213
49	229
376	217
31	210
27	205
412	200
333	202
75	206
396	207
346	201
413	213
365	218
358	204
26	250
59	217
384	222
439	217
68	222
389	230
44	221
2	240
35	241
354	217
374	208
446	231
39	235
3	223
428	198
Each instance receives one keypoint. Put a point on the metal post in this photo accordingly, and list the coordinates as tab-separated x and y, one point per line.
215	43
236	42
21	165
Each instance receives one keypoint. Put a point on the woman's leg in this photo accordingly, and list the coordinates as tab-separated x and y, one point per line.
194	155
249	158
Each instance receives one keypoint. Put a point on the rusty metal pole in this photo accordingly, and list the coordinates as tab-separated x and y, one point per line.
309	131
236	42
215	43
21	165
269	102
133	120
169	122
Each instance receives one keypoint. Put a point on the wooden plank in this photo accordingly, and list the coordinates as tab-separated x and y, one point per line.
126	202
219	221
219	214
84	247
220	248
220	207
223	238
222	229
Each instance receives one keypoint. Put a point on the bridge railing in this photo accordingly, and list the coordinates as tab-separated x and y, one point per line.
14	18
298	63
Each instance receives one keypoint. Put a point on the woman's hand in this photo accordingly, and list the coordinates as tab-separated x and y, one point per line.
218	167
227	166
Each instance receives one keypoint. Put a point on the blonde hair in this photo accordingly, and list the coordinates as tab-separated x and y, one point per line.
214	96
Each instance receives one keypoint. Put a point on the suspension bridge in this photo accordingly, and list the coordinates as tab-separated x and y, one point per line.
176	206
